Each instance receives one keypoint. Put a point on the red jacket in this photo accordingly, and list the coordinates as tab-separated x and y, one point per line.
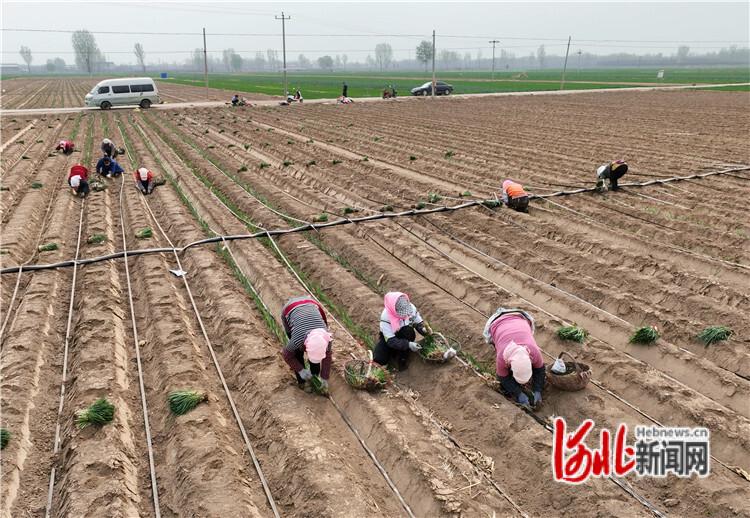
79	170
137	176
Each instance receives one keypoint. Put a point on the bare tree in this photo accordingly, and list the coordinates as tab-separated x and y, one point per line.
196	59
682	53
86	51
344	59
424	52
273	58
26	55
383	55
140	55
226	58
235	60
303	62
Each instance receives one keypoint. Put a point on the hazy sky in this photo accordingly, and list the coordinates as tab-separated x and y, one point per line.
520	27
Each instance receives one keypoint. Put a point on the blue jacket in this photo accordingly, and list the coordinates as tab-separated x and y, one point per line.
113	167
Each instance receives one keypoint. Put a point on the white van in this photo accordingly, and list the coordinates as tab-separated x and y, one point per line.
140	91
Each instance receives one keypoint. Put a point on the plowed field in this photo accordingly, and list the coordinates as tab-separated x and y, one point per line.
51	92
440	441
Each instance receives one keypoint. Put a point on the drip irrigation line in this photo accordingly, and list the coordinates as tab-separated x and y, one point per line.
235	412
141	385
66	349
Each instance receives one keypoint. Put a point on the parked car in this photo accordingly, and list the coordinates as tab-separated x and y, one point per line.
441	88
139	91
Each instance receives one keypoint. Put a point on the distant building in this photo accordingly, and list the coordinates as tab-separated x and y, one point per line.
11	68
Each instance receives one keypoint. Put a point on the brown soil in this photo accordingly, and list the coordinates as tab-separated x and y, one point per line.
676	256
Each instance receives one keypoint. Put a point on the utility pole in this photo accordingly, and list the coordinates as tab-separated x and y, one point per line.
493	57
579	60
433	63
205	62
565	66
283	46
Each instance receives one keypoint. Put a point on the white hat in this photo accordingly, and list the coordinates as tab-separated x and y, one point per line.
143	173
601	169
75	181
106	141
62	142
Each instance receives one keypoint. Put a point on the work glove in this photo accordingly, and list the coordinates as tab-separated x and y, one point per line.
414	346
324	387
537	397
450	353
427	328
305	374
522	399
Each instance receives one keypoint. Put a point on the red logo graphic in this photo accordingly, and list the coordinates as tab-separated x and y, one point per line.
574	462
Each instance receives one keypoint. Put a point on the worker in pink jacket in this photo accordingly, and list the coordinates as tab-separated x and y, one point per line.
518	358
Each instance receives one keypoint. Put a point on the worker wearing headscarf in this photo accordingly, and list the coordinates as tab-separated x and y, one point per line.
515	197
306	328
109	167
144	180
518	358
66	146
399	322
607	175
78	180
108	148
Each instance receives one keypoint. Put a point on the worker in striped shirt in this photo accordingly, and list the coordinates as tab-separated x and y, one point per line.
399	322
306	327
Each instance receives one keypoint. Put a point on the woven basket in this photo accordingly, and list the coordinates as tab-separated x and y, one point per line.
438	343
575	379
358	374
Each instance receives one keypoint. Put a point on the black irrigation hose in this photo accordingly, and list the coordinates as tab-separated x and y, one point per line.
374	217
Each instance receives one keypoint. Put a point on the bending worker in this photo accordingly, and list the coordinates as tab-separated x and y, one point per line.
306	328
144	180
108	148
398	322
515	197
518	357
109	167
608	174
66	146
78	180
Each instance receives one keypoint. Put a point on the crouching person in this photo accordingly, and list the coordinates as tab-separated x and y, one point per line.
518	358
144	180
306	328
109	167
66	146
515	197
78	180
399	322
607	175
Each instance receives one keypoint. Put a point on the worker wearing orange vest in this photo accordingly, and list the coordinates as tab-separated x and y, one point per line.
144	180
515	197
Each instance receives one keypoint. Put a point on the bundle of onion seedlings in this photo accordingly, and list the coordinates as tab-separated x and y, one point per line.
4	438
645	335
144	233
48	247
99	413
317	386
183	401
714	334
573	333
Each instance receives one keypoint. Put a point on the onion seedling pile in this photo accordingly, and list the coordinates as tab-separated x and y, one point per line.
4	438
714	334
573	333
144	233
645	335
366	375
99	413
48	247
183	401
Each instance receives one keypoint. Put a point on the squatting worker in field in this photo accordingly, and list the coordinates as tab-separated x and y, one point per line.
109	167
306	328
78	180
144	180
399	322
108	148
607	175
515	197
66	146
518	358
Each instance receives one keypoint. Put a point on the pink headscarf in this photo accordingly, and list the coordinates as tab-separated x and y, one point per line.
517	356
390	300
316	344
506	183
